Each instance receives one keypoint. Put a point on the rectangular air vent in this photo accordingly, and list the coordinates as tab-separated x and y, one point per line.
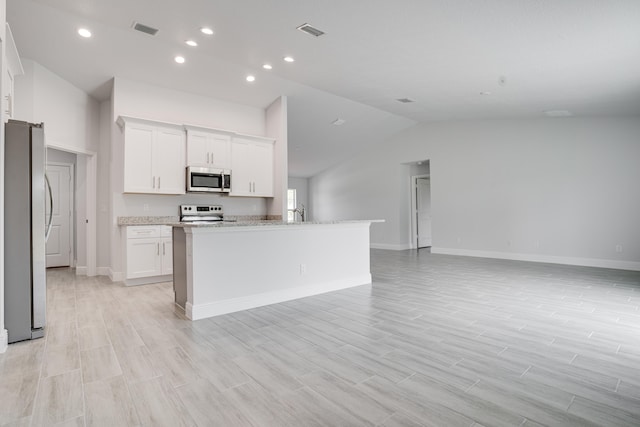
405	100
306	28
144	28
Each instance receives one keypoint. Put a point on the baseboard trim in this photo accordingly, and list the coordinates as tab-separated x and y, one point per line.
103	271
549	259
116	276
148	280
390	246
4	340
81	270
217	308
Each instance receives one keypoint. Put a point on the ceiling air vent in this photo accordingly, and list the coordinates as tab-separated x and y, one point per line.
144	28
306	28
405	100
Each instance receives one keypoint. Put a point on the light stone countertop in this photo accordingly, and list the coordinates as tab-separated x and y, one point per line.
147	220
231	224
174	221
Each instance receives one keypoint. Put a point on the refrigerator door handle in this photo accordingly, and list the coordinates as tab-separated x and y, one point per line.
46	236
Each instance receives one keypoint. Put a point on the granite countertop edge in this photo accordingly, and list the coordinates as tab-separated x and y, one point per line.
174	221
277	223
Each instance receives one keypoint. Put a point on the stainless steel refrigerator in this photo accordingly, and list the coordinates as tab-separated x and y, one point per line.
24	230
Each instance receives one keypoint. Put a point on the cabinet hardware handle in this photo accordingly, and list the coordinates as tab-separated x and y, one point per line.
158	183
208	157
154	182
158	251
163	251
249	186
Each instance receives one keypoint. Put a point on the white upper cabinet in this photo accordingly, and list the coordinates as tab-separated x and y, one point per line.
252	166
154	157
208	148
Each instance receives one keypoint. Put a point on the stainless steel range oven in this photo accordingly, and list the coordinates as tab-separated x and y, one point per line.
201	214
205	180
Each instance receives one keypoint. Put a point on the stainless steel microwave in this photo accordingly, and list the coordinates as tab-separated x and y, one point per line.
205	180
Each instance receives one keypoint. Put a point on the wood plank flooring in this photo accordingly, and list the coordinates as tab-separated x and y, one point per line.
435	341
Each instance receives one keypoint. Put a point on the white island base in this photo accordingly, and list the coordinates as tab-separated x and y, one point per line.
225	268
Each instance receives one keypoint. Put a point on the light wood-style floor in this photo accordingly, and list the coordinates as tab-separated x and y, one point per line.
436	341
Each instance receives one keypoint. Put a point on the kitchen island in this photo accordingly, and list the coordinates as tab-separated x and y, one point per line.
228	267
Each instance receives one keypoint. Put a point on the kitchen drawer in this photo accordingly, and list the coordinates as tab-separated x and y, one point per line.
166	231
143	231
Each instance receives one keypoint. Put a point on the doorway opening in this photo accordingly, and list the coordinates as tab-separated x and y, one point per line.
421	205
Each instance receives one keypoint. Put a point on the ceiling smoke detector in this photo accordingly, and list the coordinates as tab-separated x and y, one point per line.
144	28
306	28
405	100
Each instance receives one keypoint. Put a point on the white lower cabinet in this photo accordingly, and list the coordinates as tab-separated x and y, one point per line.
149	253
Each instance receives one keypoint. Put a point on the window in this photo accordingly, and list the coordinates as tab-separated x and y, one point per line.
291	204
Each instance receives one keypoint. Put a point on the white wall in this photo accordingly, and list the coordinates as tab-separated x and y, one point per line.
276	127
301	185
70	116
554	190
152	102
103	232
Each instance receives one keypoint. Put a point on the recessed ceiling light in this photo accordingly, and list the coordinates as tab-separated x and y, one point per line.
338	122
179	59
267	66
288	59
251	78
191	43
206	30
83	32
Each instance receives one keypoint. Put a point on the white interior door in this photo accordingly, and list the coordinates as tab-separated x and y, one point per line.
59	243
423	211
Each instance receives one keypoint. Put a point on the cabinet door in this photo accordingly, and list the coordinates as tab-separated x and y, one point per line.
262	165
198	153
167	255
168	161
138	159
241	173
220	151
143	258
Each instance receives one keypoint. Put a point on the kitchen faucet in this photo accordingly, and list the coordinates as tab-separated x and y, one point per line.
301	211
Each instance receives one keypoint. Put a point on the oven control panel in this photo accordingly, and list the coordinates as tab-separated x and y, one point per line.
195	212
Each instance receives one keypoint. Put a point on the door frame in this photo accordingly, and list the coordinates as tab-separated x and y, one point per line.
413	241
73	256
88	160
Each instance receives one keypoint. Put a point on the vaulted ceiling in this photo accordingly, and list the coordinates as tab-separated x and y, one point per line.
456	59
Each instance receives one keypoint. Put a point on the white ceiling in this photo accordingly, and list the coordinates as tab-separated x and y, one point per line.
577	55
